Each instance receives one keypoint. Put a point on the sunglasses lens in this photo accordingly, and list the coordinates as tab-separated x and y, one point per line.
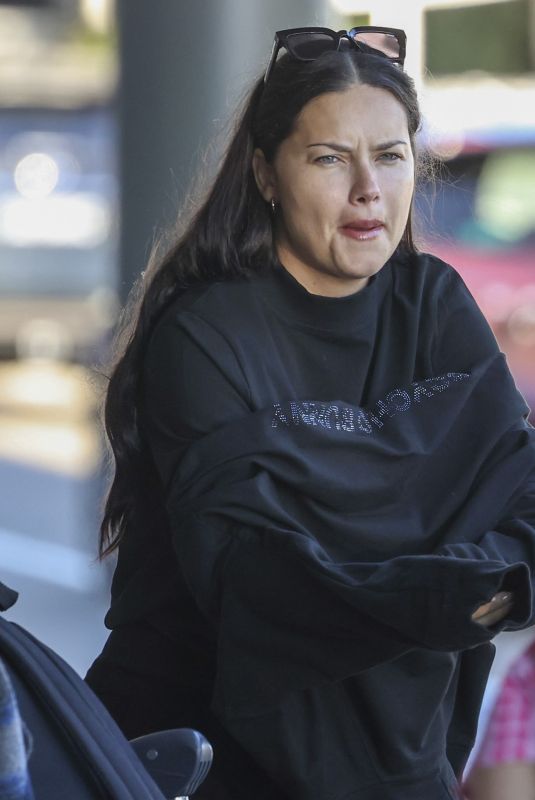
309	46
385	43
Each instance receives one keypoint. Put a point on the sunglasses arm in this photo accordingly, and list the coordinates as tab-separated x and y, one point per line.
274	52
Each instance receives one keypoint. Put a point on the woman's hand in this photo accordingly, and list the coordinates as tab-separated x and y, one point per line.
494	611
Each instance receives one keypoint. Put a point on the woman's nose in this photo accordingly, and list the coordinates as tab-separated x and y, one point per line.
365	187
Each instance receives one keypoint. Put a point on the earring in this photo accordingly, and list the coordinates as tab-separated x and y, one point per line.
273	206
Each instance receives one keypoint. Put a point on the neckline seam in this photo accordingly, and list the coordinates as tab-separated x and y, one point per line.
315	327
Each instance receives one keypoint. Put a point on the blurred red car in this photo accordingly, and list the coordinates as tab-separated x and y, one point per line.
479	216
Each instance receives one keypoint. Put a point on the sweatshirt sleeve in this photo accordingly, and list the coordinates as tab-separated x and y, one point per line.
463	338
193	384
510	543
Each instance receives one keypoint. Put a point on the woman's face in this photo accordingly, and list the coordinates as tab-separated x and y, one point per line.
343	182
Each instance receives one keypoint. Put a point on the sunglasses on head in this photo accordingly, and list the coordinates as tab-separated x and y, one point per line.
307	44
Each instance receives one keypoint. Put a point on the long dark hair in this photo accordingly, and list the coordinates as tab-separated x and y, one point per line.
230	235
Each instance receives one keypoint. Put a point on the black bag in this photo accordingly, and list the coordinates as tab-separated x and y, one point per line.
60	743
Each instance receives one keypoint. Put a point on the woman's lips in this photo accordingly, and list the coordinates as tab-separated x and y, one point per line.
367	229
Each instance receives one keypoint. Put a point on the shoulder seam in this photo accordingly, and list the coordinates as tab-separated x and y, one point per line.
227	341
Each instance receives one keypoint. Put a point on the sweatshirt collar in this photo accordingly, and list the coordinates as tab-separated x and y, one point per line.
297	305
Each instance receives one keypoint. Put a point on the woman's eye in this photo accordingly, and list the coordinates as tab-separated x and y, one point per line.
329	159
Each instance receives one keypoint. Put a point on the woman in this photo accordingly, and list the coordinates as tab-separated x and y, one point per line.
322	489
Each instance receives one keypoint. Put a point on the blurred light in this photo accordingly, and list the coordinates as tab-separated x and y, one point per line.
104	305
97	14
40	385
350	6
36	175
521	325
44	339
69	447
81	220
505	200
496	300
448	147
47	393
485	113
384	6
31	153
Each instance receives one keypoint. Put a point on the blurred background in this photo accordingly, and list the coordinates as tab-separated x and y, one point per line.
106	111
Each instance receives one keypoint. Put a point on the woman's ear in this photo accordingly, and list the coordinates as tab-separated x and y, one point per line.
264	176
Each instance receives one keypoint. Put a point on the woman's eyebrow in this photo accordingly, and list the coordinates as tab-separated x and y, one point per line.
388	145
346	148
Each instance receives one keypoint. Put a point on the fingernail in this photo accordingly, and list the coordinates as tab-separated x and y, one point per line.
502	597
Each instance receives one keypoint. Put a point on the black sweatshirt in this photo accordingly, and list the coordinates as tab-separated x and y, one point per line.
346	480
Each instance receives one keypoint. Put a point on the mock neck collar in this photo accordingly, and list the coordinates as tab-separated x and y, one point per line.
291	300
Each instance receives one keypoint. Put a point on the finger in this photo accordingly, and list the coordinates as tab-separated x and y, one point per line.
482	611
494	616
498	601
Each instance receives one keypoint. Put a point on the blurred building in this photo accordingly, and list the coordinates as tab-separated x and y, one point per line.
58	304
